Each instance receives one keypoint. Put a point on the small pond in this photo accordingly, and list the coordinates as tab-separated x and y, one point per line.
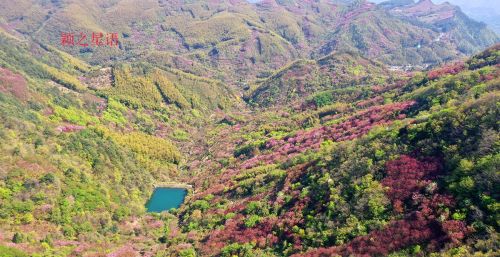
166	198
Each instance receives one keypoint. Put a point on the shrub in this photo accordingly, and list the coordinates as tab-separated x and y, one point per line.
201	205
5	193
252	221
323	99
48	178
18	238
243	250
190	252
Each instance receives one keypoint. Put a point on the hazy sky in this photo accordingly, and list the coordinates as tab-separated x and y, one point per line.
469	4
466	5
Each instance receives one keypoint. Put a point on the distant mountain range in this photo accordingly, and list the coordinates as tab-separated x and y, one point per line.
237	39
482	10
486	11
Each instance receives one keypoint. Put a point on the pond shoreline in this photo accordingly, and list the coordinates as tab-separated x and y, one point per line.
173	185
167	198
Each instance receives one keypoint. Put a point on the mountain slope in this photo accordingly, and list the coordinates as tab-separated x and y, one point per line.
417	34
81	148
238	40
304	78
342	148
399	172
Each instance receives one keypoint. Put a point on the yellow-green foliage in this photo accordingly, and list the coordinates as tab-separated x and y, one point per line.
178	134
73	115
298	64
72	61
356	70
134	90
272	45
122	13
78	13
301	77
11	252
221	27
167	59
114	112
63	78
137	86
148	147
5	34
202	93
286	26
169	90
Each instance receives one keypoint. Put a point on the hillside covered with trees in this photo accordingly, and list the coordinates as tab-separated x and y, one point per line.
302	131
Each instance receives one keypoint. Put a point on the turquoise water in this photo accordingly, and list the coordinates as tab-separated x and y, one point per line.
164	199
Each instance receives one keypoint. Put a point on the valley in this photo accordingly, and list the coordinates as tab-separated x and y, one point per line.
230	128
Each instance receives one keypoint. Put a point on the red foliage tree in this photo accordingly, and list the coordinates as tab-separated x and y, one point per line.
406	176
450	69
415	229
354	127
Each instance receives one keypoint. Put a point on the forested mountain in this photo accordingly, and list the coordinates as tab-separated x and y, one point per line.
228	40
405	168
305	128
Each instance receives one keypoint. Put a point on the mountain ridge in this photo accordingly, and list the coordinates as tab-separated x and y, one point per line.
304	128
258	37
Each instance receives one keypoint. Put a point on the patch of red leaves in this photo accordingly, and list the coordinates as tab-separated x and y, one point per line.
450	69
14	84
235	231
406	178
354	127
